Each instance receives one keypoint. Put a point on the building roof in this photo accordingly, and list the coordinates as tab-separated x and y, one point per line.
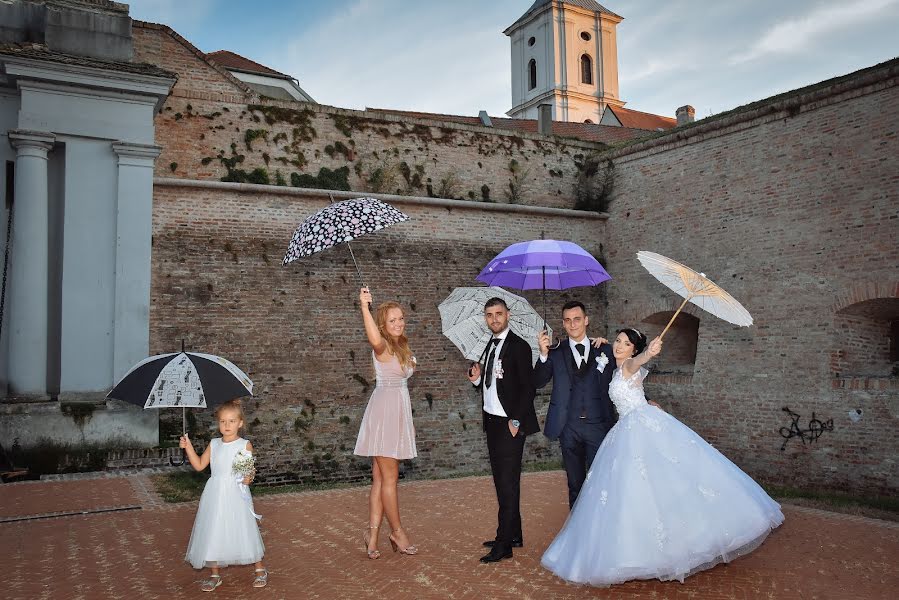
41	52
236	62
585	4
588	132
225	73
636	119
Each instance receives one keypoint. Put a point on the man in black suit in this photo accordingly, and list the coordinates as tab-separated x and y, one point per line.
508	411
580	411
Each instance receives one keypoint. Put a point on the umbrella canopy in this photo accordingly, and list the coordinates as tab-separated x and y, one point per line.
462	319
185	379
694	287
544	264
341	222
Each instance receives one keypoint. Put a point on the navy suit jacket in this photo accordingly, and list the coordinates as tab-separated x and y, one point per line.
560	368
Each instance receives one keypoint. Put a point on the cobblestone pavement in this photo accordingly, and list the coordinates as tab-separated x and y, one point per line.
314	548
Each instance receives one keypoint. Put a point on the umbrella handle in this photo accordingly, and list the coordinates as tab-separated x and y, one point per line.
183	429
183	459
683	304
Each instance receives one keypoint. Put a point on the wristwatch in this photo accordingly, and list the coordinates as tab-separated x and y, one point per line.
516	423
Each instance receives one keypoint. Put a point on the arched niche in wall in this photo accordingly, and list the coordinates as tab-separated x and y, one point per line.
679	355
867	339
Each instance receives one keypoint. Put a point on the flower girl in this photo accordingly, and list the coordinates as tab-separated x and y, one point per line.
225	530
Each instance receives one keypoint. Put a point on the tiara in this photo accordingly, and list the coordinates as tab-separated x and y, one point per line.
637	331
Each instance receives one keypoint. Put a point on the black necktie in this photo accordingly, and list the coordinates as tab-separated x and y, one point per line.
488	371
581	361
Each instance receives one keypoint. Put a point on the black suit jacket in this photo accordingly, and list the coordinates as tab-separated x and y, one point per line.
516	388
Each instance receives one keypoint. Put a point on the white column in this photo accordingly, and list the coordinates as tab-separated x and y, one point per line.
134	230
28	281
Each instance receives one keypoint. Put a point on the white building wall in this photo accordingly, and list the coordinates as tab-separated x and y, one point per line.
88	273
9	110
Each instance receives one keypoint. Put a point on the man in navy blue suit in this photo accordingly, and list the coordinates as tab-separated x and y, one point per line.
580	410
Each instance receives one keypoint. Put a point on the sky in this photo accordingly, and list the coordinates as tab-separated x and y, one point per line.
450	56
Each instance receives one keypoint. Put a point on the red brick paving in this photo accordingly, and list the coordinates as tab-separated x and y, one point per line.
315	550
43	497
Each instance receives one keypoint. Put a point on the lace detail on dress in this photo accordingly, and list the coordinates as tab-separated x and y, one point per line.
627	394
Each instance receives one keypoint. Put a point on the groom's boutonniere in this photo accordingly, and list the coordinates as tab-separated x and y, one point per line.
601	361
498	373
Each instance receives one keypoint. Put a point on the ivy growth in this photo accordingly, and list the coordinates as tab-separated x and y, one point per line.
594	184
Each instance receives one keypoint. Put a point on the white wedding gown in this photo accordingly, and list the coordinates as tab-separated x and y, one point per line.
659	502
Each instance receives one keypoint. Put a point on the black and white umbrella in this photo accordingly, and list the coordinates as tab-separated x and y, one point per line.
462	320
182	379
341	222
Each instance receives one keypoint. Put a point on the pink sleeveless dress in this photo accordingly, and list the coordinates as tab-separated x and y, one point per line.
387	428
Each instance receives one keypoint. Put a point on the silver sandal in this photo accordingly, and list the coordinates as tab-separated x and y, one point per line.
261	580
210	584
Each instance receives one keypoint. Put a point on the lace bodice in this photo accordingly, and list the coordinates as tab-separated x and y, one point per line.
627	394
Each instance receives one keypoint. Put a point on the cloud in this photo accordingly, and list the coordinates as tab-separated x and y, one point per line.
390	54
798	34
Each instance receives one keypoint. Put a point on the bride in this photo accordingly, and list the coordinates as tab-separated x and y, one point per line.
659	501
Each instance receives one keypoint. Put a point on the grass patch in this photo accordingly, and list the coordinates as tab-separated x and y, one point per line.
181	486
187	486
545	465
878	507
270	490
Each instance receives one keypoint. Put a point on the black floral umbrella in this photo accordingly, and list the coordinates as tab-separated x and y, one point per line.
341	222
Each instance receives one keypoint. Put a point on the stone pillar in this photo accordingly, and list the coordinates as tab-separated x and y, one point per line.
28	279
134	228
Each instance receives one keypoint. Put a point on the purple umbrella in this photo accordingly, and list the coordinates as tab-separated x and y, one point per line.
543	264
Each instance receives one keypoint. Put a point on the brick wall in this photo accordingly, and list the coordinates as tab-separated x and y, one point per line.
792	206
214	127
218	282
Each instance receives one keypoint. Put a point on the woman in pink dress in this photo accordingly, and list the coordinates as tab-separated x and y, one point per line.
387	433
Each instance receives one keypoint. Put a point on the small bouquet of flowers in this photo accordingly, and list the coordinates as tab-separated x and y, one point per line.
244	465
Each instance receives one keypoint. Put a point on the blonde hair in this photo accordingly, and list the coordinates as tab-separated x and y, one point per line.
399	345
230	405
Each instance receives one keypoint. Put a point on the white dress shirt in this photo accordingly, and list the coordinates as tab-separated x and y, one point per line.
492	404
577	356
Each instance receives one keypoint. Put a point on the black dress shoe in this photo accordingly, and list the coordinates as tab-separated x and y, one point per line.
497	554
516	543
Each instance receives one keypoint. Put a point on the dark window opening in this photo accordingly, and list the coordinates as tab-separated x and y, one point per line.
586	69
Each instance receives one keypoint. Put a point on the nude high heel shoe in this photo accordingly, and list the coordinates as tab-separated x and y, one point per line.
372	532
410	550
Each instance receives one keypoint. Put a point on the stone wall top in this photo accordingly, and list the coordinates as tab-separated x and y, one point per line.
838	89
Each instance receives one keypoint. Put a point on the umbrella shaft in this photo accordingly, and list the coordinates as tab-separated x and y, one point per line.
358	272
683	304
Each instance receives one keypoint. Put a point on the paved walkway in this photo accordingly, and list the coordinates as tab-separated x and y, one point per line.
315	549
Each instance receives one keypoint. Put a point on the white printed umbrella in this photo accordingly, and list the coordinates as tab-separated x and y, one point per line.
694	287
462	319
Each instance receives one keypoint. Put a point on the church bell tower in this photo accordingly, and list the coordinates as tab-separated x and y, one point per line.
564	54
